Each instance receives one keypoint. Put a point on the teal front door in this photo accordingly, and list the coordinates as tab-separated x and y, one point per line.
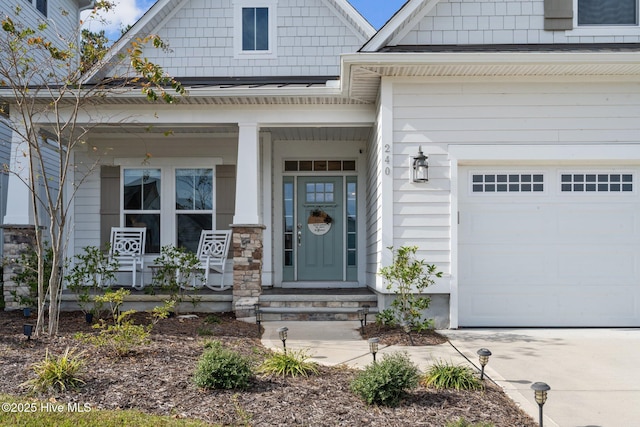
320	229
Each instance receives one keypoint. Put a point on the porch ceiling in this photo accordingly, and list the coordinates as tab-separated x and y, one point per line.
346	133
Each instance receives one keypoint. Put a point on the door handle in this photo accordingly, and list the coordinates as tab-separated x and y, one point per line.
299	238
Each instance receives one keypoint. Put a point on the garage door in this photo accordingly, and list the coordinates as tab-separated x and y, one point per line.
549	246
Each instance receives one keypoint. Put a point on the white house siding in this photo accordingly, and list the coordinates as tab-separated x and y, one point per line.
502	22
438	113
310	38
373	225
421	213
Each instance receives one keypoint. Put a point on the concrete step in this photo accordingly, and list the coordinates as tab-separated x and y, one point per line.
319	304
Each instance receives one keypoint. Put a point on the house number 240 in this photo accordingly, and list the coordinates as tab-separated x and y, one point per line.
387	159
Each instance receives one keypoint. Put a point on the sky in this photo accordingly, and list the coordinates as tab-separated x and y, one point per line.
127	12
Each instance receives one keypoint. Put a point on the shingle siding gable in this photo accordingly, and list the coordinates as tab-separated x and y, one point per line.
310	39
460	22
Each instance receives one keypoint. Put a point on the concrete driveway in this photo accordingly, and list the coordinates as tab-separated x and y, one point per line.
594	374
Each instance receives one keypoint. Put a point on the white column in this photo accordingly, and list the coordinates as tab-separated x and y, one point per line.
248	175
19	209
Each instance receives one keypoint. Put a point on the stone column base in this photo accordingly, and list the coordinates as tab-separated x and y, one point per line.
247	268
18	240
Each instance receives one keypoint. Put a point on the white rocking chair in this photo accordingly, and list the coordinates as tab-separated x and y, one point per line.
212	253
127	247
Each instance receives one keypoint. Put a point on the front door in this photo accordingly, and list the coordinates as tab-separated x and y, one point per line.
320	229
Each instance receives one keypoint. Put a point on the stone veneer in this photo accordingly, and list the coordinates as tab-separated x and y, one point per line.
247	267
18	239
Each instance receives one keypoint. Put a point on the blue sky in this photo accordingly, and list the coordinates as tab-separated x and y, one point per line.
127	12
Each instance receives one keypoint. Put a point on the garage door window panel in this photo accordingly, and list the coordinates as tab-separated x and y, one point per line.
596	183
507	183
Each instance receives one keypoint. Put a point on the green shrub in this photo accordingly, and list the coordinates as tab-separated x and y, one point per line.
461	422
122	336
385	382
221	368
291	363
57	373
409	278
444	375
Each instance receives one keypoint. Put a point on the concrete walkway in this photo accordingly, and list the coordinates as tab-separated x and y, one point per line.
593	373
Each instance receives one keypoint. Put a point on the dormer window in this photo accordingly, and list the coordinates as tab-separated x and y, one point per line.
255	29
607	12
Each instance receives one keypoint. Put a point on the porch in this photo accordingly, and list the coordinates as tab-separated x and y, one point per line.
312	304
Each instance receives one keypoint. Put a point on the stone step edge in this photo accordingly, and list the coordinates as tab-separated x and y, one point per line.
354	310
311	298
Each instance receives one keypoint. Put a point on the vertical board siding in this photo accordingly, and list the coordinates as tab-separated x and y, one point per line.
463	22
86	215
310	39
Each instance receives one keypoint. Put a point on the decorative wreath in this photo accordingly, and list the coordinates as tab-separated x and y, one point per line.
321	216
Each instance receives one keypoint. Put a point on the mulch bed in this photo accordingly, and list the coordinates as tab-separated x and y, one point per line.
156	379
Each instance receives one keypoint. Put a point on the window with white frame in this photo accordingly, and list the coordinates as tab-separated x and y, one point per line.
607	12
174	203
255	28
40	5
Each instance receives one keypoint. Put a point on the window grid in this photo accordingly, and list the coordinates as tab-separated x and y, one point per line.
596	182
507	183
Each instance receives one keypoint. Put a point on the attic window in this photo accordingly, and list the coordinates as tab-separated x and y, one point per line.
255	32
607	12
255	28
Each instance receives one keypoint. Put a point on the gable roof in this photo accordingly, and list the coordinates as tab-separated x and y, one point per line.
164	10
400	23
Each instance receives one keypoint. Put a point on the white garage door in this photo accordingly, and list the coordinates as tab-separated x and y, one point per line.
549	246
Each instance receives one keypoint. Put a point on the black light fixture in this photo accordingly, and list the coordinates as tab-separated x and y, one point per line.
373	347
365	310
483	357
541	390
27	330
361	319
420	167
258	319
282	332
26	311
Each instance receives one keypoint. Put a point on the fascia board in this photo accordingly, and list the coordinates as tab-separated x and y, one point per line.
484	58
386	33
123	41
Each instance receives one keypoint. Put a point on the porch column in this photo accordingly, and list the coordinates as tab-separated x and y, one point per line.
247	229
19	209
247	175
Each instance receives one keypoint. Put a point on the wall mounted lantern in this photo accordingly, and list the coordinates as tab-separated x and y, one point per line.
420	167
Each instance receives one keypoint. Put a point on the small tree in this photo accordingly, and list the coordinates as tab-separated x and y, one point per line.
409	277
42	76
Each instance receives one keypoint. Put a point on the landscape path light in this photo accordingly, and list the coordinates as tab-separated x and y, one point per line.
373	347
365	310
361	319
483	356
27	330
258	319
541	390
282	333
